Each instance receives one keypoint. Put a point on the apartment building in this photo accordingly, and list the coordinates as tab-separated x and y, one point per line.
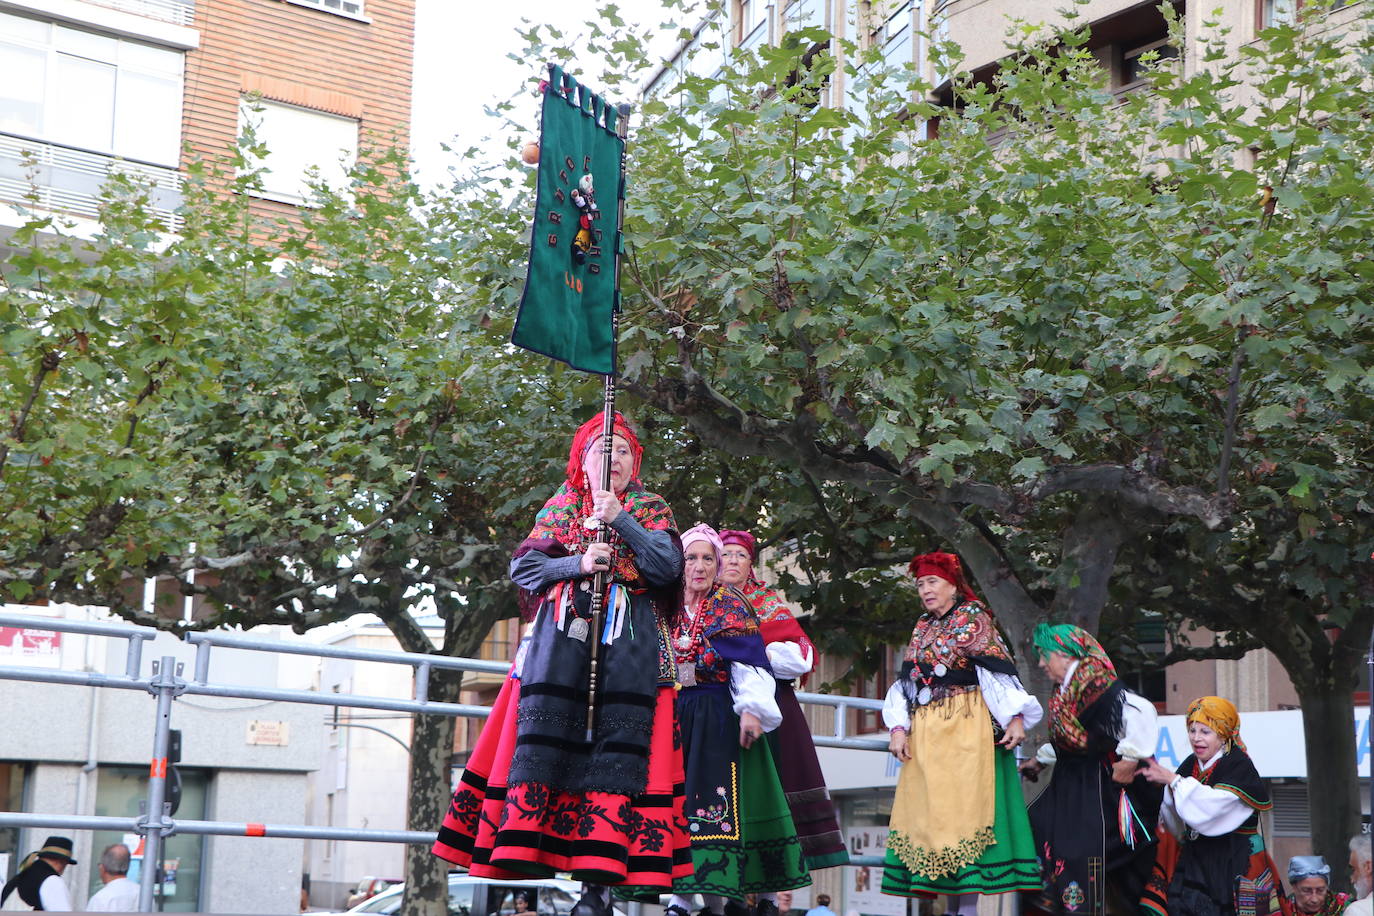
902	31
148	87
94	88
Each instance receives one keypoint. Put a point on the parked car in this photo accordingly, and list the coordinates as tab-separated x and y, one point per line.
469	896
368	888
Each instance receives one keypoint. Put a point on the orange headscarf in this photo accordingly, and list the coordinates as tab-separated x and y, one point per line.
1220	715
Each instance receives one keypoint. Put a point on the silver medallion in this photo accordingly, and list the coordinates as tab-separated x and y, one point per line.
687	674
591	524
923	697
941	670
585	586
578	629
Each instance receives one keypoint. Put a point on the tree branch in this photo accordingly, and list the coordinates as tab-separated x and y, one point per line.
46	365
1202	653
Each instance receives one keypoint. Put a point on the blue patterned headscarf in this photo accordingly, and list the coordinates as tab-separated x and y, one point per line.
1300	867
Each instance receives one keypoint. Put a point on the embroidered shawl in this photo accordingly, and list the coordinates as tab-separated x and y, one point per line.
722	629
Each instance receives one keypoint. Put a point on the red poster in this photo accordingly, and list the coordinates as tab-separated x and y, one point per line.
29	642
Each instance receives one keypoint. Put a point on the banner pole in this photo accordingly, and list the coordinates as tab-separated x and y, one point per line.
601	581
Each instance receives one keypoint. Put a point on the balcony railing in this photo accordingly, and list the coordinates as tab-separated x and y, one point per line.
63	179
180	12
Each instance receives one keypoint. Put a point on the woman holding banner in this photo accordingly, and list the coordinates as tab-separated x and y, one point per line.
535	799
1211	859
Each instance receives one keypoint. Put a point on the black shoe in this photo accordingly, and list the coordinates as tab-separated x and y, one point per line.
592	904
766	908
735	909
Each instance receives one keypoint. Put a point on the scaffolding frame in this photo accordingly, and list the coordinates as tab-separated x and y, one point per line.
166	682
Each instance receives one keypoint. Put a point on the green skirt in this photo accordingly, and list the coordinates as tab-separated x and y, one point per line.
1008	864
743	840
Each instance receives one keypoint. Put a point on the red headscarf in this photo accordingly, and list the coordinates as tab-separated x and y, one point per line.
586	437
947	567
743	539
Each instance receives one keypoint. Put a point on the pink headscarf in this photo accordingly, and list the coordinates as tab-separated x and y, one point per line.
703	532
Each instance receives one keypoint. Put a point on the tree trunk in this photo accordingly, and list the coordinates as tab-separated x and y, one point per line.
1333	802
431	751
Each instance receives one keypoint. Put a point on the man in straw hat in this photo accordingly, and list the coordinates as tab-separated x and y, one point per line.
38	884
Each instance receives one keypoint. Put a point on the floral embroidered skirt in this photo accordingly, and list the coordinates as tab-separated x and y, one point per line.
813	813
959	822
534	830
742	835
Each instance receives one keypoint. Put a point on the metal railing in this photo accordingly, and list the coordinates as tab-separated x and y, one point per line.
65	179
166	683
180	12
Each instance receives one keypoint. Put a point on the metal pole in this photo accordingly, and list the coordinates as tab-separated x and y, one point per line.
164	687
601	581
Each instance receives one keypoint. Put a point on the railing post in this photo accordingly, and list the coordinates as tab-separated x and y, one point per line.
422	682
202	670
133	659
155	822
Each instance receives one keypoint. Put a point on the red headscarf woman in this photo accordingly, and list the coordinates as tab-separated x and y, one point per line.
792	656
958	822
535	799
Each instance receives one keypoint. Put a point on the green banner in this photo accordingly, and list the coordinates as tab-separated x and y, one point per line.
570	290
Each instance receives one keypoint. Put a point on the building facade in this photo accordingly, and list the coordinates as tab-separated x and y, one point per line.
77	750
149	87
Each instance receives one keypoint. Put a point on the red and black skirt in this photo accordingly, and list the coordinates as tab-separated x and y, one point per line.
535	830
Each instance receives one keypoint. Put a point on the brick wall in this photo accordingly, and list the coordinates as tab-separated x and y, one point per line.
303	56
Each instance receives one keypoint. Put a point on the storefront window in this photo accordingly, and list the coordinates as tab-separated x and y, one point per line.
118	793
12	800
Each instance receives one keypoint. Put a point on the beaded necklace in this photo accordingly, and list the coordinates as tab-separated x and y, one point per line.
689	629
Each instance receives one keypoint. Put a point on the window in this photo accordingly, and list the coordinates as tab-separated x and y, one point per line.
1133	68
1291	814
753	23
1269	13
12	778
1277	12
804	14
344	7
90	91
299	140
117	794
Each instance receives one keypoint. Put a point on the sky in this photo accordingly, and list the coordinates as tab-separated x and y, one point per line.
461	66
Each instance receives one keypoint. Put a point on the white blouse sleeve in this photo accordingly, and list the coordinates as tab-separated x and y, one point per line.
789	659
894	708
1141	728
1006	698
1209	811
1168	817
1046	755
754	690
